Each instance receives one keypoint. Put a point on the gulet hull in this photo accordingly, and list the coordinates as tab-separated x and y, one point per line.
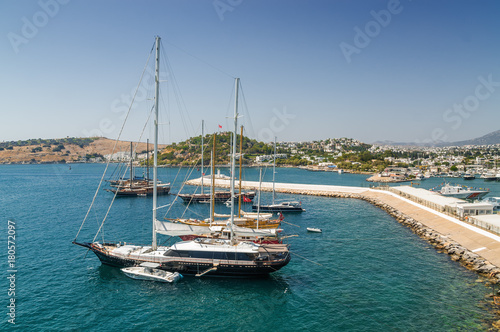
189	266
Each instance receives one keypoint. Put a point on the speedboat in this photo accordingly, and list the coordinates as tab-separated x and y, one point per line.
489	176
148	271
280	207
314	230
462	192
469	176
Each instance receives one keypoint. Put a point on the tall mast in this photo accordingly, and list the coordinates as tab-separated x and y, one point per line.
155	158
258	198
202	174
212	197
274	167
239	182
237	81
131	166
147	161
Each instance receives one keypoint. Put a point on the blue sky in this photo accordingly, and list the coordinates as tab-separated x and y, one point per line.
370	70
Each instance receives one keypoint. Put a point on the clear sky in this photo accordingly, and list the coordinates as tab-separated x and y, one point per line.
370	70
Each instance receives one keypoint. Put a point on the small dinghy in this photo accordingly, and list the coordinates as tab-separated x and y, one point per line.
149	271
314	230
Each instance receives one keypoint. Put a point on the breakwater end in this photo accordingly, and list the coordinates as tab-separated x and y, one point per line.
475	248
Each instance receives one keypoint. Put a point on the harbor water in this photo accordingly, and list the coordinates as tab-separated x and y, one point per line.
365	272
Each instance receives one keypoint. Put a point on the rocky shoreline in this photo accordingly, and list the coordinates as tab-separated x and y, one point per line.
441	242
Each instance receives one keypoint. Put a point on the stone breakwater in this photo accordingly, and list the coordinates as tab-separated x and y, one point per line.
441	242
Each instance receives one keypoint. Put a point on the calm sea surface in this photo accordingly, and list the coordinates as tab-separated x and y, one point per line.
365	272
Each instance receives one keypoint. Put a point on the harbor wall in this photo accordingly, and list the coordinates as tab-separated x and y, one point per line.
413	219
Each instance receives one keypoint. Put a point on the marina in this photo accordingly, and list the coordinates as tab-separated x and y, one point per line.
250	166
447	227
370	265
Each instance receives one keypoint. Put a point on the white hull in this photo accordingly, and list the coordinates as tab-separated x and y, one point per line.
144	273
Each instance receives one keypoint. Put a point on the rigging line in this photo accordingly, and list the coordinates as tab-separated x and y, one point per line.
176	196
176	175
107	212
180	108
175	87
290	224
192	170
306	259
199	59
114	147
247	111
126	170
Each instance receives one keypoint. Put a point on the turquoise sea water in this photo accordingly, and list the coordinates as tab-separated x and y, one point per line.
365	272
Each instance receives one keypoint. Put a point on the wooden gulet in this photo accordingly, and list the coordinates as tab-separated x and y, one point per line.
202	256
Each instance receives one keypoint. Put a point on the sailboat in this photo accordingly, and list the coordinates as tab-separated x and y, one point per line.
245	219
282	206
138	186
199	257
219	196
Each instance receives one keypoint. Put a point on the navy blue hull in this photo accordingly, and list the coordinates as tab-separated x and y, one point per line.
260	269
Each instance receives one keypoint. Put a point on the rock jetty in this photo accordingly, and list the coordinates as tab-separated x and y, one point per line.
442	243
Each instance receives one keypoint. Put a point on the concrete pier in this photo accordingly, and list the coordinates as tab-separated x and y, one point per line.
475	248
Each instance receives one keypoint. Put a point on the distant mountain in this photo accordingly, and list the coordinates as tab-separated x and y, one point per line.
488	139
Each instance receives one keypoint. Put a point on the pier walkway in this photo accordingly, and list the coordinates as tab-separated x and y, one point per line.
474	239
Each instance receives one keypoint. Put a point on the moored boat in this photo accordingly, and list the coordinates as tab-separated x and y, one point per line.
280	207
149	271
469	176
202	256
489	176
462	192
277	207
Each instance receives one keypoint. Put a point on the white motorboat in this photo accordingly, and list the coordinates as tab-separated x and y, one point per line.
314	230
148	271
462	192
469	176
489	176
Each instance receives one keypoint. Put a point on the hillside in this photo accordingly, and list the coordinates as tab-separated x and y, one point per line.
488	139
61	150
189	152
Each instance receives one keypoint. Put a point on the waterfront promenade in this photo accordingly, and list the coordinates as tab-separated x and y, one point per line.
442	230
